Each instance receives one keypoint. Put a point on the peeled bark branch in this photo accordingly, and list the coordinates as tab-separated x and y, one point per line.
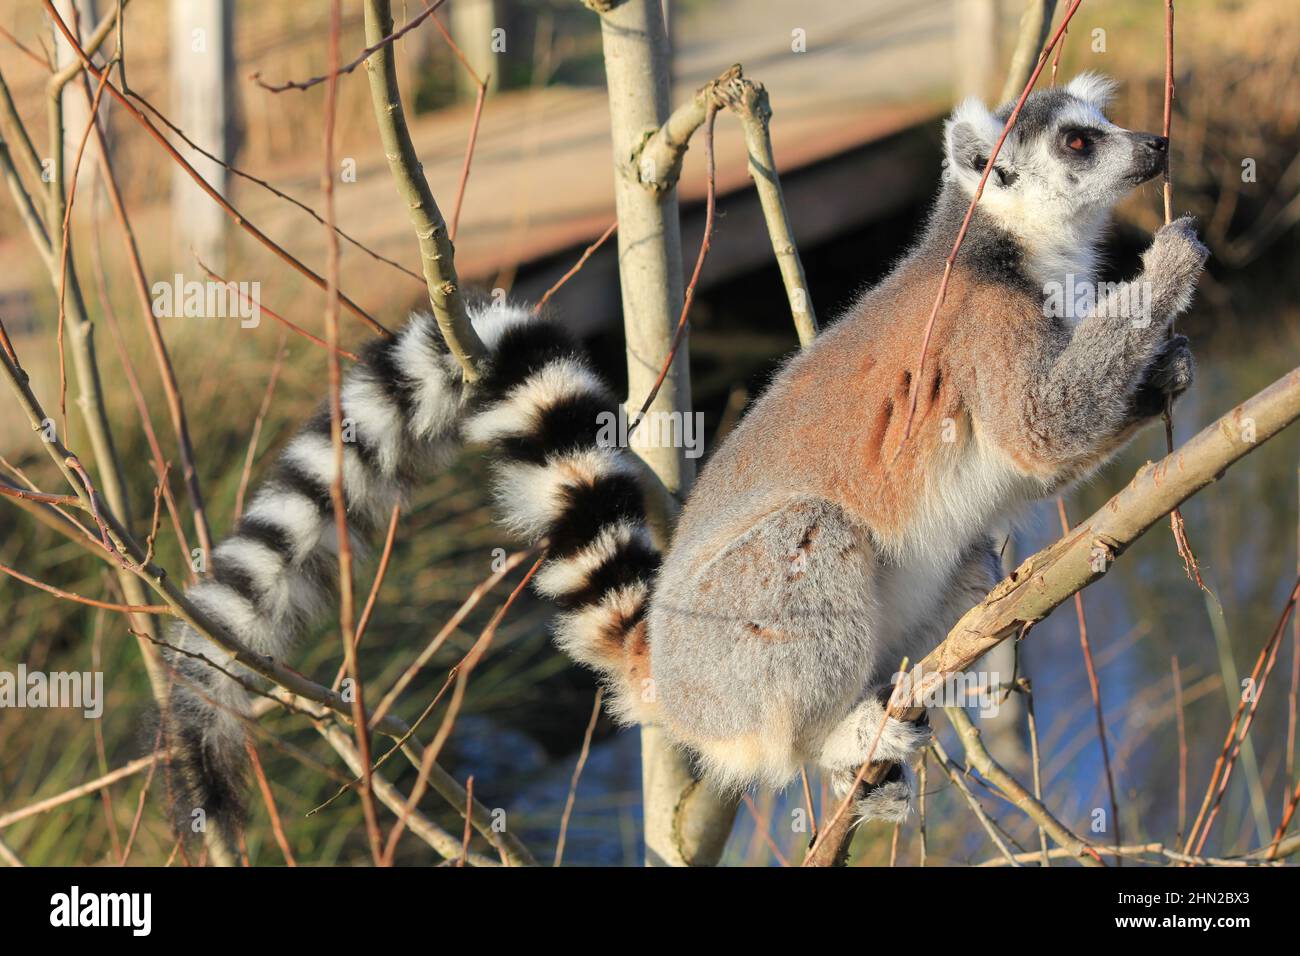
658	164
1054	574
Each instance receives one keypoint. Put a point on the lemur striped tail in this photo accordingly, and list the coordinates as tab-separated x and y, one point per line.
403	407
545	413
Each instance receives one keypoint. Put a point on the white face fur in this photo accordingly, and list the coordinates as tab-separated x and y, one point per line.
1062	169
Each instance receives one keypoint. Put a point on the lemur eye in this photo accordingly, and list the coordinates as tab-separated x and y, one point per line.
1077	141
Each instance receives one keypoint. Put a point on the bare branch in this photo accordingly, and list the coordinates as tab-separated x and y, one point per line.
657	164
437	256
138	115
978	756
336	71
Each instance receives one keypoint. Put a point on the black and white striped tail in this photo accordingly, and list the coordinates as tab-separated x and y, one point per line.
403	407
540	408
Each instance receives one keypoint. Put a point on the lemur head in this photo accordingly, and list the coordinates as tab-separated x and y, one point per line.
1063	167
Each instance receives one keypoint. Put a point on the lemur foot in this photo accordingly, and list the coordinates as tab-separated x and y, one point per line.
1173	262
891	799
860	735
906	738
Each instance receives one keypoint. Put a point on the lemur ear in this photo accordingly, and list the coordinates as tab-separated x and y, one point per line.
1093	88
969	137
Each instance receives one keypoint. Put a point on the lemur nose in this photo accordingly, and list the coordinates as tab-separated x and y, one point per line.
1156	143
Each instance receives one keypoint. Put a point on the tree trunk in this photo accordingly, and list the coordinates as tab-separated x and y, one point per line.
686	823
975	41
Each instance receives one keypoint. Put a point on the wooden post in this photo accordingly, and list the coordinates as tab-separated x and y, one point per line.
202	63
478	28
76	111
975	47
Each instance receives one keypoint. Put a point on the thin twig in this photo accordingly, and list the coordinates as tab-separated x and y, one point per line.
577	775
1056	60
167	372
970	213
240	219
40	61
90	602
65	238
390	536
469	158
335	70
101	753
808	801
361	726
978	756
1191	566
955	775
79	791
1182	748
1035	760
763	827
264	184
444	731
251	454
262	307
277	828
1293	700
471	601
582	261
1287	814
921	788
1244	717
442	842
137	393
69	500
1094	685
155	521
469	822
140	800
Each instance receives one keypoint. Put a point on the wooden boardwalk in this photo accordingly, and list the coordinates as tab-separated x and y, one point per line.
542	177
843	77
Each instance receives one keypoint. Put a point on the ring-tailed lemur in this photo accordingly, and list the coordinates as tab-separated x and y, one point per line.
816	549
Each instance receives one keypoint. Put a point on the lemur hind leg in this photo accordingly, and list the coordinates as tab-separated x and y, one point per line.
867	731
760	649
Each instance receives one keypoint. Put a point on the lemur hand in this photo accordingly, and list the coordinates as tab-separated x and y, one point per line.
1171	372
1168	376
1172	264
